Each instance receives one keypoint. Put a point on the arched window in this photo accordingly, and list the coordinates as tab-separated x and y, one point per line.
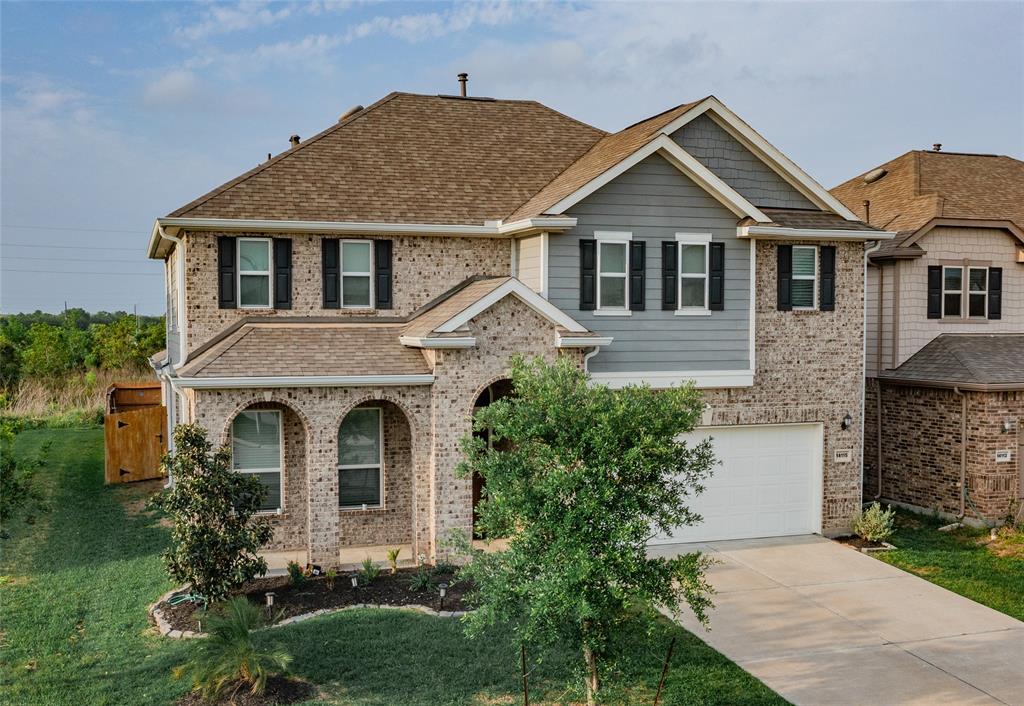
256	448
361	459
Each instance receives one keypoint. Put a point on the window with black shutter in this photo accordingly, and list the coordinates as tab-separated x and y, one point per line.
282	273
669	274
382	274
827	285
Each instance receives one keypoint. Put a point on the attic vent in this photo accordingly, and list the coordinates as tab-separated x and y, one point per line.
874	175
294	140
350	112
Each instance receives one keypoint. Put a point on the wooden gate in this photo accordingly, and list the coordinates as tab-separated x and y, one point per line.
135	442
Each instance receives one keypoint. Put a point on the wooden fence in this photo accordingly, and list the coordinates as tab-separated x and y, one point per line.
134	432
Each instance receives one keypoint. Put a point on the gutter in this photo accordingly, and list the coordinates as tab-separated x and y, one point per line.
777	232
949	385
224	383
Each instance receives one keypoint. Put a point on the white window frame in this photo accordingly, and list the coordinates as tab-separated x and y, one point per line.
964	304
813	278
358	466
280	463
342	274
249	273
612	238
966	310
682	239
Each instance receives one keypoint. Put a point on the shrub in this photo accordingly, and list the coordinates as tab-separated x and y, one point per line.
446	568
874	524
369	572
420	581
330	576
215	535
296	574
19	493
393	559
228	656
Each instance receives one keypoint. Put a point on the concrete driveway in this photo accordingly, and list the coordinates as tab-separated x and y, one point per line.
821	623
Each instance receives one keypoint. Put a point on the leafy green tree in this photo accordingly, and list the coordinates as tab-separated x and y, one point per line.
215	535
579	478
53	351
124	344
19	493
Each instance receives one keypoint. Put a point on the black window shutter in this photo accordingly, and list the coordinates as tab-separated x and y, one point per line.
332	272
588	275
282	273
827	296
637	275
226	296
995	292
935	291
382	274
716	277
669	272
784	253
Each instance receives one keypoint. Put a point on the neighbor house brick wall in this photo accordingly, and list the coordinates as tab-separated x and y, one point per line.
424	267
809	368
994	486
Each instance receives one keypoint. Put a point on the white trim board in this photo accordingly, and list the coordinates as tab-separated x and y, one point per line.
582	341
437	342
660	379
529	297
765	151
681	160
781	233
217	383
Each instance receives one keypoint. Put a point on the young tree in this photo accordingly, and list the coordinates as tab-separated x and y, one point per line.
579	479
19	493
215	536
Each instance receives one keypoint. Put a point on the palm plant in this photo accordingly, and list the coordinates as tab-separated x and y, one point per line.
228	656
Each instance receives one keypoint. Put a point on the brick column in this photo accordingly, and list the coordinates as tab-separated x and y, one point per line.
322	491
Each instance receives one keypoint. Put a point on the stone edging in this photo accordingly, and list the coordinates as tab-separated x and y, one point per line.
166	630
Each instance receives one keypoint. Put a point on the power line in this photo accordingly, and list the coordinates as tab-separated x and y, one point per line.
72	228
65	247
138	261
76	272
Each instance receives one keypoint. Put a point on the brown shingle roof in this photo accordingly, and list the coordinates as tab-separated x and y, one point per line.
800	218
971	360
606	153
920	186
303	348
409	159
458	300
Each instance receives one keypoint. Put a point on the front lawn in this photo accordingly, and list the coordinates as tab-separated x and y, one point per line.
76	585
965	560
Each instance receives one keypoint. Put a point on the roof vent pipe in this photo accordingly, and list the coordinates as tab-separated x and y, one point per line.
350	112
463	80
867	211
937	147
294	139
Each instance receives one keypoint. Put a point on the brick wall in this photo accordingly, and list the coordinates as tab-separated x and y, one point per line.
424	268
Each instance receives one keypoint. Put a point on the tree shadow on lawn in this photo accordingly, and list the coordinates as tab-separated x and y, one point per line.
376	657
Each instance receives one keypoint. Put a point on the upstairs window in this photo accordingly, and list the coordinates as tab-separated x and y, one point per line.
977	284
256	449
693	272
952	291
361	459
612	278
254	273
356	273
804	291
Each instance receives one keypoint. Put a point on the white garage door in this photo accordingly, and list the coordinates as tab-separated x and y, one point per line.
767	485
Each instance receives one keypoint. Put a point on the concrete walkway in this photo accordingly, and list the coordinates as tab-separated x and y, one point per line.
821	623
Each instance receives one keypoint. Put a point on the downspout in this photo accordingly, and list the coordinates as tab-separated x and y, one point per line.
864	369
963	453
586	358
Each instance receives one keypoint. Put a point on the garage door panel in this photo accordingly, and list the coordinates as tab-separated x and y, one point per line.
767	484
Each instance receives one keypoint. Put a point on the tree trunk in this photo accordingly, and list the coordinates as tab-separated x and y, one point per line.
592	680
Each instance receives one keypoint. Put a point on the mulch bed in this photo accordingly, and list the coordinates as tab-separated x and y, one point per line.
388	589
859	542
280	690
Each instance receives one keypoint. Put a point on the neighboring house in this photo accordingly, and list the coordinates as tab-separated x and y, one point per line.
337	313
945	332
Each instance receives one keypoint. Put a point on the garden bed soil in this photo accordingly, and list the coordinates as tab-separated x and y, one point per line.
861	544
280	690
387	589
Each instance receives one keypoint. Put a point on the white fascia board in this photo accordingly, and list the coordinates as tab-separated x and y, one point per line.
495	229
661	379
535	301
769	154
811	233
684	162
304	381
433	343
582	341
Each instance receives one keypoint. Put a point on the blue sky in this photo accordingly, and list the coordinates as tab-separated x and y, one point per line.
116	113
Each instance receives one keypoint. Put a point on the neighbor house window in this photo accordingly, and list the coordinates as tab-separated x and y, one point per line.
693	272
977	283
612	277
805	277
254	273
356	258
256	449
361	459
952	291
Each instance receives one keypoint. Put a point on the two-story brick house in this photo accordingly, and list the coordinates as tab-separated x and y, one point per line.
945	332
337	313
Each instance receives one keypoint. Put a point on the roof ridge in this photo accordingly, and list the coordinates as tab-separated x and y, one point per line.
216	191
954	351
667	110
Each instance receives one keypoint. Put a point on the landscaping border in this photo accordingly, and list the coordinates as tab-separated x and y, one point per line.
166	630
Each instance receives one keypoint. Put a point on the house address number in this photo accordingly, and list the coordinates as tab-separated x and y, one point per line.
843	455
1004	456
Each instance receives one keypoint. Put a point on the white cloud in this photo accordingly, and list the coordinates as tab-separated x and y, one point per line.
172	88
221	18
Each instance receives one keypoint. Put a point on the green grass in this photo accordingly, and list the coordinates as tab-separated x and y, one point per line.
75	631
962	561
